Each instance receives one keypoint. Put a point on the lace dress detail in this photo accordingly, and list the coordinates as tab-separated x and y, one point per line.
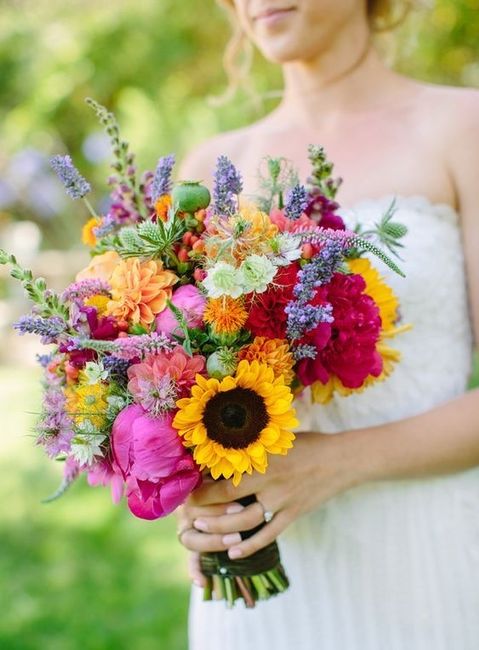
390	565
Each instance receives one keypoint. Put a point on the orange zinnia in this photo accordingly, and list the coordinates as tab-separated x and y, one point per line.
275	353
139	290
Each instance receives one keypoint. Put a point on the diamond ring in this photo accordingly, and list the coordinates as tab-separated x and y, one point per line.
267	514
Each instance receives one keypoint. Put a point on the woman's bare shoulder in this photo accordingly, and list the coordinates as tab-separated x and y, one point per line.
456	106
201	160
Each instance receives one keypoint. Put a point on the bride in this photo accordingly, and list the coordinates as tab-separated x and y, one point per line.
378	524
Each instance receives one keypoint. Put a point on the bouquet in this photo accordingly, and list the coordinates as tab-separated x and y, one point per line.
178	351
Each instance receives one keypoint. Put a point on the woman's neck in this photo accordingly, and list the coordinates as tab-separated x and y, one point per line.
345	79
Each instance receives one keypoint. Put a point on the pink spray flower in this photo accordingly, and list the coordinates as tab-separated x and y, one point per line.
158	471
191	302
161	379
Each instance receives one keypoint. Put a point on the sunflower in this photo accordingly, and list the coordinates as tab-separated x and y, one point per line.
226	315
275	353
234	423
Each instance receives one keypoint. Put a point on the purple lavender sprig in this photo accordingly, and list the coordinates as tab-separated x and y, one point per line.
296	202
48	328
162	178
228	184
75	185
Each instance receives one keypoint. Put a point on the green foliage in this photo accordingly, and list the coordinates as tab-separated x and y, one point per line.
154	64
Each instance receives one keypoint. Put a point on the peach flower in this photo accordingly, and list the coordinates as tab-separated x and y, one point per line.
139	290
101	267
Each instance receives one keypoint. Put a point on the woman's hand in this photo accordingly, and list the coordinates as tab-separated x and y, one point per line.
317	468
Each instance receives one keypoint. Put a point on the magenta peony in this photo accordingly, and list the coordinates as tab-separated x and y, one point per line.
349	351
158	471
191	302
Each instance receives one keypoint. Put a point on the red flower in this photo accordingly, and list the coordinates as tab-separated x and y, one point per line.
350	351
266	312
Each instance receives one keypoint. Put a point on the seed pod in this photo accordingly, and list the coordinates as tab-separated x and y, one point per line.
190	197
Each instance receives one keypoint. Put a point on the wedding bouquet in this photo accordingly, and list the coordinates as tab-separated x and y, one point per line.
178	351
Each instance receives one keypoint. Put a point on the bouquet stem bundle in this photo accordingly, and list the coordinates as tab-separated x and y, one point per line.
257	577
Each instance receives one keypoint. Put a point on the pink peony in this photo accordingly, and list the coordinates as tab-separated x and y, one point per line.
191	302
161	379
105	472
158	471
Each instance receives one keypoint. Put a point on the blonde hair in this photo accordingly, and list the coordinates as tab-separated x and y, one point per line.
384	16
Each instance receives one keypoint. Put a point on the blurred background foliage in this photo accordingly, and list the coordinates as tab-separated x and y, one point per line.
154	63
81	573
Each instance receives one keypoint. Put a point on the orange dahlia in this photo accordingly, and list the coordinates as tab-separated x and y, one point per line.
139	290
100	266
275	353
225	314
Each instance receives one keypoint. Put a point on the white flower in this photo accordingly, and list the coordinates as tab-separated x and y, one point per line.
95	372
86	444
286	249
223	280
257	272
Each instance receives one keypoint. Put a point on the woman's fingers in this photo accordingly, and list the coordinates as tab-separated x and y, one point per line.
214	492
193	540
246	519
262	538
194	569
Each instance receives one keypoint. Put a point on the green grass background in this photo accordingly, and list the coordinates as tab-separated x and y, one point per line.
79	573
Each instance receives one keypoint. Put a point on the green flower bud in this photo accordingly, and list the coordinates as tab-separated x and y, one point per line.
190	196
222	363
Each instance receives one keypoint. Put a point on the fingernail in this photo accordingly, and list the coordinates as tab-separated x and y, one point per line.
235	553
234	508
197	582
200	524
232	538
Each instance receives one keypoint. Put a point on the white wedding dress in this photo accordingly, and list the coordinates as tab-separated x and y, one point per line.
391	565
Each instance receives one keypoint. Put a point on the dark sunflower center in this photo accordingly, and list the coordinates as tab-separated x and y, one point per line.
235	418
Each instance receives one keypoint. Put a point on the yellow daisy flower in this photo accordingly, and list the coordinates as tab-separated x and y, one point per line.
87	402
234	423
98	301
88	237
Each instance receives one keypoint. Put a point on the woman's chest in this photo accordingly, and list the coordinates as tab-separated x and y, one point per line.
374	158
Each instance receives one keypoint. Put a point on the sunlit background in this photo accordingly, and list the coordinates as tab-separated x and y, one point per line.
82	573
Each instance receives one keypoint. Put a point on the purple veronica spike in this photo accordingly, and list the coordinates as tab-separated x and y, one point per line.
75	185
305	351
296	202
304	318
227	184
162	178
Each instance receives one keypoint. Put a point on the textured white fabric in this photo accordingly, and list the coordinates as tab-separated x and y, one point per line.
392	565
